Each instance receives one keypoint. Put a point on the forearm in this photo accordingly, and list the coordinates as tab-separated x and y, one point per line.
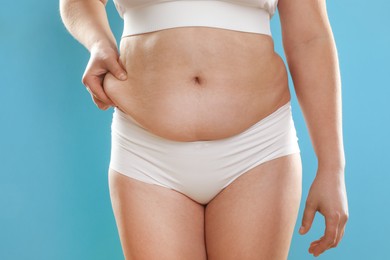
315	72
86	21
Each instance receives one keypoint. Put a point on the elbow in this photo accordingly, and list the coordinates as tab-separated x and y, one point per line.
65	11
64	7
306	41
66	4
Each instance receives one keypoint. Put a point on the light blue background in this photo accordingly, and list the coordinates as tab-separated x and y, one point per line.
54	142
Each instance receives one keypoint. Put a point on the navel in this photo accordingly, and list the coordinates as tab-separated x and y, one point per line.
198	80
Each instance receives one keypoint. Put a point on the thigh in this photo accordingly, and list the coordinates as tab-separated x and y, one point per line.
254	217
155	222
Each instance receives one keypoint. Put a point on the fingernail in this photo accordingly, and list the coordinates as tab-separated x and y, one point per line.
301	229
122	76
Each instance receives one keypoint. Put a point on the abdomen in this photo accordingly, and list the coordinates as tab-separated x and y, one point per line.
199	83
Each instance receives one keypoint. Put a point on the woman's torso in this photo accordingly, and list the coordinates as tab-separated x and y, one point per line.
199	83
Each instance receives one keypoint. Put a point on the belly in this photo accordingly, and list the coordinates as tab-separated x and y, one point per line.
198	83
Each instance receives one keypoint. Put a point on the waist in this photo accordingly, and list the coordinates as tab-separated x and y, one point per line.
198	83
217	14
186	105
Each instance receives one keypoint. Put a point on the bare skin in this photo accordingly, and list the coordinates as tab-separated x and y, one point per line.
177	76
193	83
253	218
155	222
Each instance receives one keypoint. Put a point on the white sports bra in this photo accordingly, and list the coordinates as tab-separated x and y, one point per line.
142	16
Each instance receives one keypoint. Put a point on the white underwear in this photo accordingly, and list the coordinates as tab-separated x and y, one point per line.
199	169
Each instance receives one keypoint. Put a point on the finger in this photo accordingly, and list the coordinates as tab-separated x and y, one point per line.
97	102
115	68
94	84
339	238
331	232
307	219
100	104
314	244
341	228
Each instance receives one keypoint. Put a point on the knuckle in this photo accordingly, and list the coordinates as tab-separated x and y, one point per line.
100	105
106	57
86	76
84	80
335	244
92	94
97	98
96	101
330	241
103	55
334	216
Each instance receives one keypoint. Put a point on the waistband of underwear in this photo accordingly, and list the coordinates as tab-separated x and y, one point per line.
277	120
218	14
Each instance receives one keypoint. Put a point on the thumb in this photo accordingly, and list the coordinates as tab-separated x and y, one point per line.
115	68
307	220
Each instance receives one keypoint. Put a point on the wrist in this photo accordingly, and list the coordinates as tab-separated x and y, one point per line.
335	165
102	44
331	158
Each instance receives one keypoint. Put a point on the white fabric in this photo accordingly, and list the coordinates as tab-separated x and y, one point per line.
142	16
199	169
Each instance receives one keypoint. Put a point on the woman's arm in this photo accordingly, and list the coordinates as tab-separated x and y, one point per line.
86	21
312	59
